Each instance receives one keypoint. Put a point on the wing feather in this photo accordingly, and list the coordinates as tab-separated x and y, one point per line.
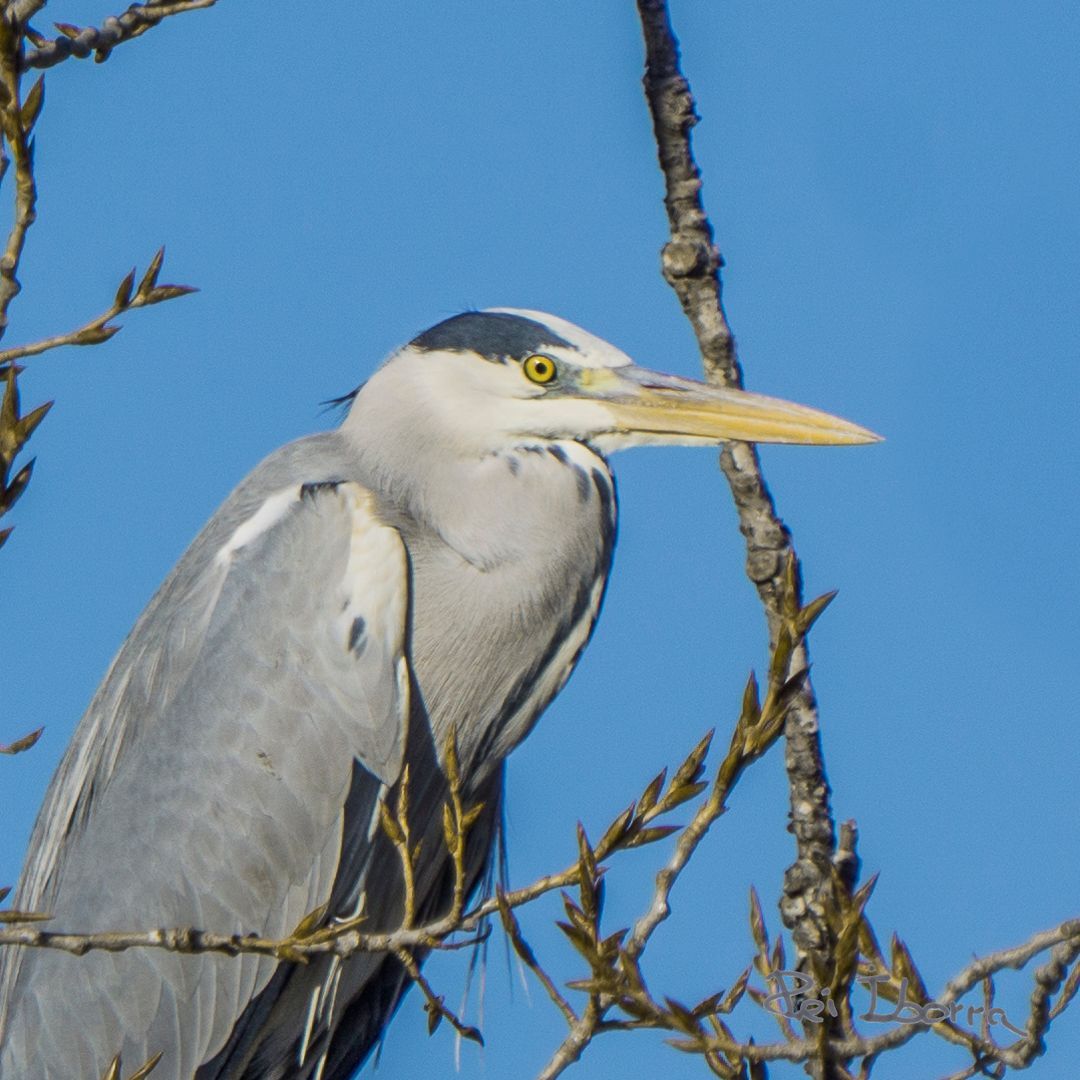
272	659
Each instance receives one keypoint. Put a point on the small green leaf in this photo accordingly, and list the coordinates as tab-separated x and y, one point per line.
27	423
810	614
687	1046
586	874
577	916
792	586
31	109
735	994
69	30
676	796
616	829
390	825
147	1068
310	922
690	770
868	944
594	985
684	1017
160	293
466	1031
450	836
9	406
751	702
781	656
19	745
612	944
903	966
11	493
513	928
862	895
149	279
123	293
581	941
95	335
778	959
651	835
652	792
757	925
450	759
434	1017
598	901
710	1005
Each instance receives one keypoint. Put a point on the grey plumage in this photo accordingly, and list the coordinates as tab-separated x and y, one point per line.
435	565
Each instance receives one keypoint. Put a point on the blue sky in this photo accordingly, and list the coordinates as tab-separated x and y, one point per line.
894	187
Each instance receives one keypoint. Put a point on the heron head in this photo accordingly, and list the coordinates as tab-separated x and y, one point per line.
507	375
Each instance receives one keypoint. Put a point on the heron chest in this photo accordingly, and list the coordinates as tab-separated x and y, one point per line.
492	640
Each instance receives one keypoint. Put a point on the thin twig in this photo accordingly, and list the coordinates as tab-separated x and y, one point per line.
396	827
80	42
457	821
1015	957
528	958
573	1046
98	330
689	839
434	1004
757	729
16	136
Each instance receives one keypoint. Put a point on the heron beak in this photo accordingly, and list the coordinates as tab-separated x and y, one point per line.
667	408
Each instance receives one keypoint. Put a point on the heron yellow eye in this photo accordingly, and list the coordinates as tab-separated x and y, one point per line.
539	369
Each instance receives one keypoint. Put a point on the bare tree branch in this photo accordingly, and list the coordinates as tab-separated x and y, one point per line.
434	1004
757	729
98	330
573	1046
691	263
528	958
18	122
17	119
80	42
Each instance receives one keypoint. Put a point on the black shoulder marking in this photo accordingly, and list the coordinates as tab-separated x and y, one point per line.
495	335
356	635
583	489
609	506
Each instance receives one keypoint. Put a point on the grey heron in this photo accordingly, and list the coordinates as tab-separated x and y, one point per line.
434	565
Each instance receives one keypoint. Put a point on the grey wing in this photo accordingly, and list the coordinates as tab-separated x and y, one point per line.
207	783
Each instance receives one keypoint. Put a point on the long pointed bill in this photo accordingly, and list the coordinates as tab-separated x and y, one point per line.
671	408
